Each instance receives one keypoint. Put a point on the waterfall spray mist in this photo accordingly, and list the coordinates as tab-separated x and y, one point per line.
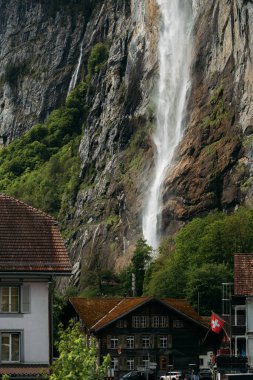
174	81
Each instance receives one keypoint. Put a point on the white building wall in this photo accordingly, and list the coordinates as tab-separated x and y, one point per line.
249	330
34	325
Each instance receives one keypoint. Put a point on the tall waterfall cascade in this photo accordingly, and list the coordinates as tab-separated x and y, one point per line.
73	80
174	49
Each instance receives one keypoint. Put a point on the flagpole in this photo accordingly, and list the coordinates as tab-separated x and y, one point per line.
230	330
206	335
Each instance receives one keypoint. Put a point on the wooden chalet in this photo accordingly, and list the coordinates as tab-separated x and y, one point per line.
144	333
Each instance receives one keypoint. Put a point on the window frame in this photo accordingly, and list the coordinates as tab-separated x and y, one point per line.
114	363
130	363
10	299
163	341
10	334
146	341
145	361
178	324
160	321
140	321
130	342
114	342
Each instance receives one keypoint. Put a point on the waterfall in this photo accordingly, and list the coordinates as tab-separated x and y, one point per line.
174	80
73	80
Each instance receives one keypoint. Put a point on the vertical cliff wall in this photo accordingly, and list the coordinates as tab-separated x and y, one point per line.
106	215
40	44
213	167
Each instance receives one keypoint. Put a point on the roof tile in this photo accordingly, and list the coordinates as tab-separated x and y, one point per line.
29	239
96	313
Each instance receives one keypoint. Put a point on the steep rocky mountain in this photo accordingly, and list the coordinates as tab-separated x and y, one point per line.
40	49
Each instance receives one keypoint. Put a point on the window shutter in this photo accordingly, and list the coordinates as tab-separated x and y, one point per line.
0	299
25	299
108	341
169	341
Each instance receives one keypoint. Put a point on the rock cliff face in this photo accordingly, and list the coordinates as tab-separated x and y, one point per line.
106	215
39	50
213	166
39	44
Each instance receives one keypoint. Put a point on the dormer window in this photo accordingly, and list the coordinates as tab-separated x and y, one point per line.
9	299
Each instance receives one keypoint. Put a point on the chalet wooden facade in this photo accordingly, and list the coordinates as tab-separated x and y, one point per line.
144	332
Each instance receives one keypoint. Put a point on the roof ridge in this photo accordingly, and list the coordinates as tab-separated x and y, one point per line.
143	300
107	313
40	212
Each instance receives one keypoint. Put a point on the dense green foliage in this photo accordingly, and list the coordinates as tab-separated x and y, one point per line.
101	281
78	358
202	259
42	167
97	58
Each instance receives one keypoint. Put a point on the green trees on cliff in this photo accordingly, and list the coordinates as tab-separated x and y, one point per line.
42	167
201	259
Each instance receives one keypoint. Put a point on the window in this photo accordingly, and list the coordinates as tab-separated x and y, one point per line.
114	342
240	315
178	324
159	321
121	323
140	321
145	361
10	347
163	321
9	297
130	341
115	363
163	341
146	341
130	362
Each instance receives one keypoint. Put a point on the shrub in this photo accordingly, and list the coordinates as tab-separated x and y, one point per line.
97	58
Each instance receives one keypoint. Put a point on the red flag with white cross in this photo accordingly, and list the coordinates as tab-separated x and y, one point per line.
216	323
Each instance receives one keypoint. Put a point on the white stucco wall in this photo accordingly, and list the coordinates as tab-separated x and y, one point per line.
249	329
35	325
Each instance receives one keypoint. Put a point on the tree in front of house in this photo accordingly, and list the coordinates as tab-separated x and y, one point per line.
141	258
78	357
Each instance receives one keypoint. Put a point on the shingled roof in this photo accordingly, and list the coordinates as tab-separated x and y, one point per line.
30	240
243	274
97	313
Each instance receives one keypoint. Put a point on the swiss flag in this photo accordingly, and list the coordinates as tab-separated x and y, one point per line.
216	323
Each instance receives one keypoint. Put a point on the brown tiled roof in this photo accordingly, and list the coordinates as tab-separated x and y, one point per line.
99	312
24	371
183	307
91	310
29	240
243	274
122	308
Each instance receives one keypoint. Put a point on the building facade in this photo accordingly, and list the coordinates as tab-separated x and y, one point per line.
32	253
242	306
144	333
